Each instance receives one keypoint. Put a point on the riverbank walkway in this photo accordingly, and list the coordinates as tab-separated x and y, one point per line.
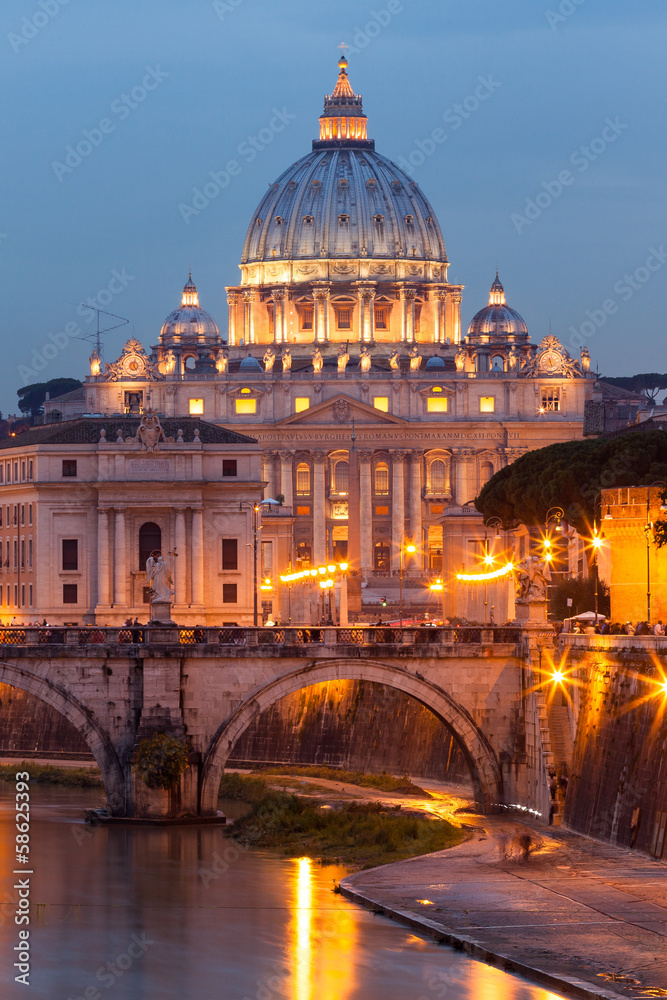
581	917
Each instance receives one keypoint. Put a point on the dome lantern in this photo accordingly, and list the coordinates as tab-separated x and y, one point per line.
343	121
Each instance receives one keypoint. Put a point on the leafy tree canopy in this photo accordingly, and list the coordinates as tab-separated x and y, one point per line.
570	475
31	397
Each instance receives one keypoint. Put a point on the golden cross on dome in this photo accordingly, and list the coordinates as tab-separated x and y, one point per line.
343	46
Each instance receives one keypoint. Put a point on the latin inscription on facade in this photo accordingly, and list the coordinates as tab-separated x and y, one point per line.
149	467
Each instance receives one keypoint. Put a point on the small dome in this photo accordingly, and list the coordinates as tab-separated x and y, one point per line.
497	319
435	362
190	324
250	364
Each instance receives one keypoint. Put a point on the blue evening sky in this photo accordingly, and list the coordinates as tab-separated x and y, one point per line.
552	75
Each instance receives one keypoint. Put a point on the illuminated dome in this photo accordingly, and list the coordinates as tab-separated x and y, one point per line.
344	199
497	320
190	324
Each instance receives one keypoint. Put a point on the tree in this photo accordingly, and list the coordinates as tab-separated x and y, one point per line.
31	397
582	594
570	475
649	383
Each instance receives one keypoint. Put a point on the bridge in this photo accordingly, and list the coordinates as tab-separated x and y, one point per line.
207	685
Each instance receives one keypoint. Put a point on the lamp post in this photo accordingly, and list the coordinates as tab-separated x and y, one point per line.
553	514
491	522
255	506
409	547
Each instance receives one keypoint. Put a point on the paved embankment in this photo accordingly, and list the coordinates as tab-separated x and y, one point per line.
580	917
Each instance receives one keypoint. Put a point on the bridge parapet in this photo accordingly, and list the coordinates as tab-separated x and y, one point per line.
617	643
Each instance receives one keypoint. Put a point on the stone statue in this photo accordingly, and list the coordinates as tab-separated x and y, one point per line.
95	363
221	362
343	358
169	363
269	359
395	361
365	360
318	361
286	358
415	359
159	577
585	359
513	359
532	578
150	433
460	359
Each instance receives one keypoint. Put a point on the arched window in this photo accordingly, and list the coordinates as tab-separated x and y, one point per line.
382	479
150	541
485	472
438	477
498	364
302	479
382	557
341	477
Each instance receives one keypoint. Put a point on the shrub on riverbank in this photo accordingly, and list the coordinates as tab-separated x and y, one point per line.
385	782
50	774
359	834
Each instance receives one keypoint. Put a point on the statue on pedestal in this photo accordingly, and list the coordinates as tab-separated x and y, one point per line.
460	359
318	361
365	360
585	359
221	362
395	361
532	579
415	359
269	359
159	576
286	358
514	359
95	363
343	358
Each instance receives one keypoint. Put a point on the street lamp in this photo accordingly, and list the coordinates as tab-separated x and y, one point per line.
255	506
491	522
553	514
406	545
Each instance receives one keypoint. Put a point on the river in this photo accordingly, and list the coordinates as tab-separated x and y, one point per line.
185	914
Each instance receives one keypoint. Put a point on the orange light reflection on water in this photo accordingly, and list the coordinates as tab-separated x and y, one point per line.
321	943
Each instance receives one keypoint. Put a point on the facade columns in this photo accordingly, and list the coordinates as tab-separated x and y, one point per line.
440	302
453	312
366	294
408	294
397	504
248	317
197	556
286	478
232	300
103	557
179	561
278	295
319	513
321	294
267	473
416	521
120	559
366	513
464	492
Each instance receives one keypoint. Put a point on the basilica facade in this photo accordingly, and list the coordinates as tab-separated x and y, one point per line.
344	357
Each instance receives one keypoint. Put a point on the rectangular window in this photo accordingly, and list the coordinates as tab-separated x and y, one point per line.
230	553
70	554
16	514
16	472
30	595
381	403
1	519
436	404
70	593
301	403
23	553
29	514
267	559
30	467
246	406
307	319
487	404
382	511
229	593
22	472
16	595
344	319
229	467
16	553
2	474
196	407
69	467
22	513
23	595
8	597
30	553
303	512
381	319
550	400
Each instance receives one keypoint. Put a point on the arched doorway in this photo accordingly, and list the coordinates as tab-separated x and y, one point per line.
481	759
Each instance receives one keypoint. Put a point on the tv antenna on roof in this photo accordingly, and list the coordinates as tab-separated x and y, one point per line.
97	336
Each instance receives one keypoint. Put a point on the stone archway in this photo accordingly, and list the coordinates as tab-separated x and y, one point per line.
482	761
83	720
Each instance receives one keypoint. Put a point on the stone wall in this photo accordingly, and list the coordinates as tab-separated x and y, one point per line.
28	724
357	725
618	788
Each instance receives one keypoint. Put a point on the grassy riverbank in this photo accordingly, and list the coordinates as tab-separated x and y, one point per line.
50	774
358	834
384	782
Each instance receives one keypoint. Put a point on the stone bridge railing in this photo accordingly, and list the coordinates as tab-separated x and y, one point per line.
600	643
425	637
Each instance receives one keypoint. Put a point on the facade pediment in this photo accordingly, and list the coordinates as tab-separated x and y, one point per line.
341	410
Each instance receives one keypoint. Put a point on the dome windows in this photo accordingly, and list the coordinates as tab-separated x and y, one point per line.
308	220
278	221
343	218
396	185
315	185
410	220
258	223
378	219
371	183
343	183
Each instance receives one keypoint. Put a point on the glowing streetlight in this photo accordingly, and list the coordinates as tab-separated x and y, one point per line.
409	547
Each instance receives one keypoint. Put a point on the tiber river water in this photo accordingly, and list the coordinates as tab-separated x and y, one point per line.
152	913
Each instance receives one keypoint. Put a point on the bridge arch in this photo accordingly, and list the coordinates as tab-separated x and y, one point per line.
482	761
84	721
